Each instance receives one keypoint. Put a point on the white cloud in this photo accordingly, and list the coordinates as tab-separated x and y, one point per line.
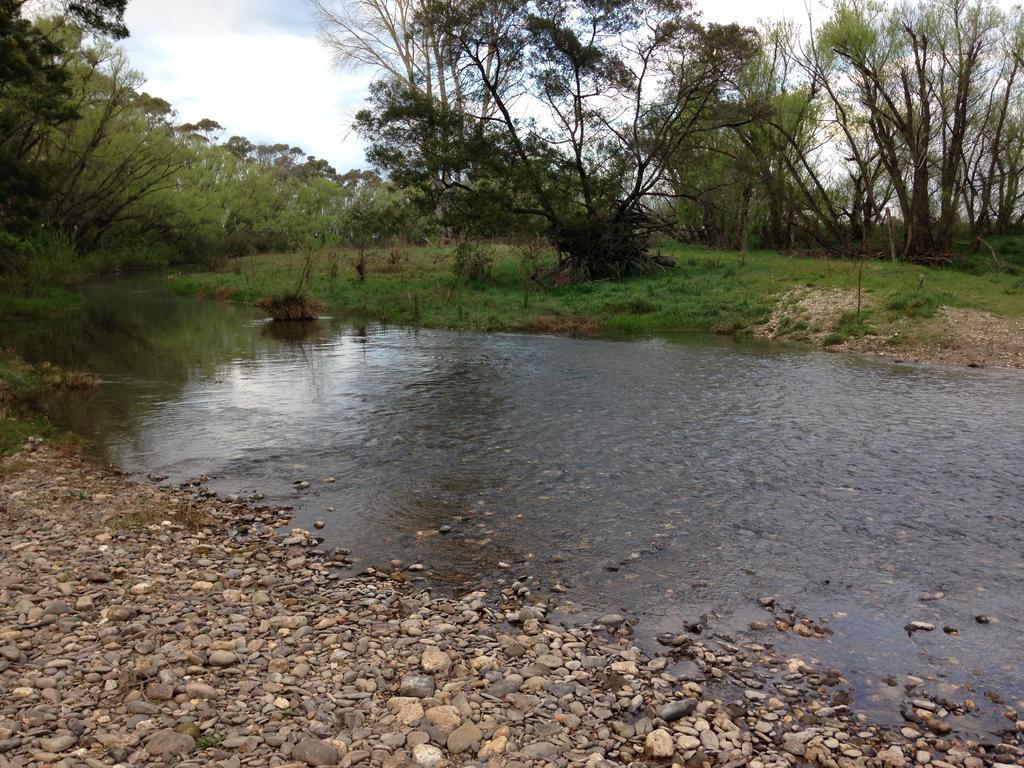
750	12
256	75
257	67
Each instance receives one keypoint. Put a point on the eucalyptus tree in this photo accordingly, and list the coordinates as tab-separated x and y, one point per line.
569	112
409	46
120	149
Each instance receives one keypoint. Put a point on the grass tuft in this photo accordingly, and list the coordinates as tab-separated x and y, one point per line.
288	307
851	325
917	303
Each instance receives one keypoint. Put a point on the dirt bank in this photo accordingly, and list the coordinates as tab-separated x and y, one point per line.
951	336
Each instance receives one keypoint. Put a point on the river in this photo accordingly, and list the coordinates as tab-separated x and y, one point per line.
662	478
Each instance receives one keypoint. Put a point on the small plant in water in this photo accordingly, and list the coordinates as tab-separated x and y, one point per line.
297	305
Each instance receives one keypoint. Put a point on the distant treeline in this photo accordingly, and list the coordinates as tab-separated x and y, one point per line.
95	173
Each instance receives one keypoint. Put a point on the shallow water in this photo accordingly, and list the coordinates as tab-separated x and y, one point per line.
709	473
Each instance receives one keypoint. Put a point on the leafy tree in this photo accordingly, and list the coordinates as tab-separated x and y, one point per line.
35	97
584	103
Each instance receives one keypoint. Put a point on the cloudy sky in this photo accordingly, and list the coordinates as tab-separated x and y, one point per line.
257	68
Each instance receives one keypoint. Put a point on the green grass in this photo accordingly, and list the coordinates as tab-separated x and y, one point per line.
18	426
851	325
38	301
720	292
918	303
208	740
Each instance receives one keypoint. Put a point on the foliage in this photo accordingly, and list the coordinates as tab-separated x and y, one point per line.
614	88
471	261
97	175
888	129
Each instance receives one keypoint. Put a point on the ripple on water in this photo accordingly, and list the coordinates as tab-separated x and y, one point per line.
630	471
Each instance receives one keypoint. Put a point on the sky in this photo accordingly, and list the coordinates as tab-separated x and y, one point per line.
257	68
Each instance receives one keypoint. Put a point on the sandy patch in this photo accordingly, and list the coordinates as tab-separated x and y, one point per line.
953	336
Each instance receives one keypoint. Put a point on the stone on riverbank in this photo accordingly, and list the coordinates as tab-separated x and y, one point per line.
288	663
315	752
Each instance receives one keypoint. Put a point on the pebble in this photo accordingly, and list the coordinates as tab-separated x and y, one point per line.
177	644
427	755
675	710
435	661
315	752
659	744
57	743
464	737
169	741
417	686
540	750
222	658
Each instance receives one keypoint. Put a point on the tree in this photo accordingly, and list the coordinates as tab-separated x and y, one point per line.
35	97
916	78
585	100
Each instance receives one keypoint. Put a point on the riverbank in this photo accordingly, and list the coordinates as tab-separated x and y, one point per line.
157	626
957	316
20	384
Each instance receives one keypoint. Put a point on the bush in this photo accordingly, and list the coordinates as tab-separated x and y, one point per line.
851	325
471	262
291	306
917	303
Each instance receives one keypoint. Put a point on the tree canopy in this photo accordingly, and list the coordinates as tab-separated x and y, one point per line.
885	129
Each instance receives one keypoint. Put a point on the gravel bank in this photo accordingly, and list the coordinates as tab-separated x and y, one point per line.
141	626
953	336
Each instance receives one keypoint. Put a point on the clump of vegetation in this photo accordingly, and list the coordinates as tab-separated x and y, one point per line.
291	307
917	303
471	262
851	325
294	305
20	382
208	740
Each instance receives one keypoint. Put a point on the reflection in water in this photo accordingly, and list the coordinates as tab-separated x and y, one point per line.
667	479
297	331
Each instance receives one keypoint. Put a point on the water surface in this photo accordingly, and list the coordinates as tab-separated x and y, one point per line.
664	478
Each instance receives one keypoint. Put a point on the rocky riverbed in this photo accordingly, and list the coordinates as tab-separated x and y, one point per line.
163	626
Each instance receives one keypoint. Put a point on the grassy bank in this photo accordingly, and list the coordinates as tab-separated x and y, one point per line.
38	301
720	292
20	384
39	273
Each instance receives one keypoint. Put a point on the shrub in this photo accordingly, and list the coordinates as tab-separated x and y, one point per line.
916	303
291	306
471	262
